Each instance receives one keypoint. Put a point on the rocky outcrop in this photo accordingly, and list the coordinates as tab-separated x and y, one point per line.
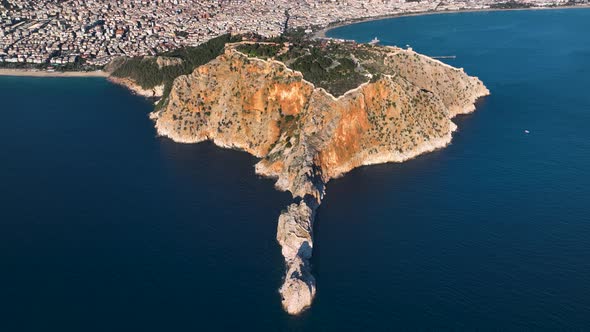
294	234
305	136
155	92
166	61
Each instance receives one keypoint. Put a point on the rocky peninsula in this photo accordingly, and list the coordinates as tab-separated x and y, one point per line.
312	111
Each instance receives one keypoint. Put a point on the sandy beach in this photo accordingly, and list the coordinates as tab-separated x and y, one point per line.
322	33
45	73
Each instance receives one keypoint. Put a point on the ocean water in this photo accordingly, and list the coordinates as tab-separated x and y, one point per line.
106	227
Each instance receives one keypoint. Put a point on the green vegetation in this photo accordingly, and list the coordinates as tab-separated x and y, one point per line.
336	74
144	71
328	65
147	74
336	67
259	50
333	66
295	36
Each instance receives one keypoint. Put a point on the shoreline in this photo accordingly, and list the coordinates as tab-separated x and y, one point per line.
153	94
44	73
321	34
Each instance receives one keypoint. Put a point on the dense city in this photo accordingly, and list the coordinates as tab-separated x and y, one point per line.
93	32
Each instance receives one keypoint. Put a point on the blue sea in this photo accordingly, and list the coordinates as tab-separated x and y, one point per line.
106	227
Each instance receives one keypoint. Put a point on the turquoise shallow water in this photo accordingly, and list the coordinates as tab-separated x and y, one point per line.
106	227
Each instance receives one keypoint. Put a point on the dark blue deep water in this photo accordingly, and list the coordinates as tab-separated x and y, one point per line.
106	227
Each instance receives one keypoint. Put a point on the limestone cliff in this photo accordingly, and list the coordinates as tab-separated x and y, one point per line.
305	136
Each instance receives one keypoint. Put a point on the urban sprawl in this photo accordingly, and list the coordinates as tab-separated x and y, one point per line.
58	32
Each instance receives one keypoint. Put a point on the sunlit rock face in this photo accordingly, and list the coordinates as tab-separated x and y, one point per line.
305	136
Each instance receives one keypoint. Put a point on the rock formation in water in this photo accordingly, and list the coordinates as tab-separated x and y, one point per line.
305	136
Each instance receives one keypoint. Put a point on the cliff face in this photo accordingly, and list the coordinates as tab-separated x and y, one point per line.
305	136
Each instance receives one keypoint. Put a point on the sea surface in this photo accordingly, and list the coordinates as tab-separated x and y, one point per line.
106	227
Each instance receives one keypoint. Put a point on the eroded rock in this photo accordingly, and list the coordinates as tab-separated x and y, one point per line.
294	234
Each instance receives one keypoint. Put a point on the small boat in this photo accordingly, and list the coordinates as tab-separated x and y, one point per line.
375	41
527	132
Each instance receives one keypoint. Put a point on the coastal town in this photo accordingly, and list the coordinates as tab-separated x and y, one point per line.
60	33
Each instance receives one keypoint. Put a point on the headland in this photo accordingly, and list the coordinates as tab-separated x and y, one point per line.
311	110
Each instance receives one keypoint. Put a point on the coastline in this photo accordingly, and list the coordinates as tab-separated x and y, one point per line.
44	73
154	93
321	34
